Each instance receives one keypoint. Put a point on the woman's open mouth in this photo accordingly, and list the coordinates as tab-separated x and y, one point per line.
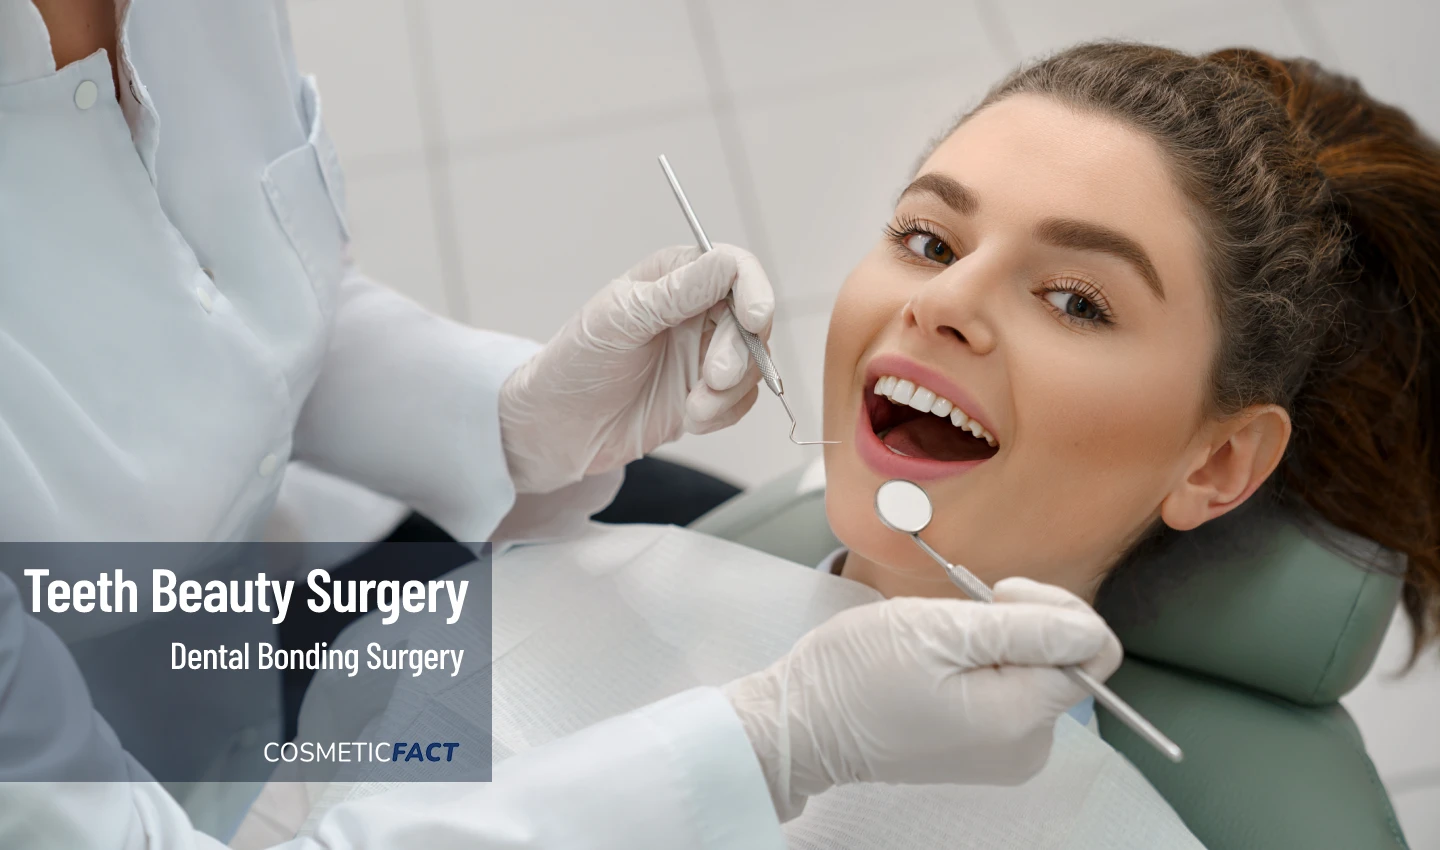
914	421
907	430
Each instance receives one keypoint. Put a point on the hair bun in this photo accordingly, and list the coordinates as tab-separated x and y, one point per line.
1269	72
1322	207
1380	383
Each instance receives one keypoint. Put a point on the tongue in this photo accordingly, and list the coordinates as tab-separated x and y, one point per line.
934	438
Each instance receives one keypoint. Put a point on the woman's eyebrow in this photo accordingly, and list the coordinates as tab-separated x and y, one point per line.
951	192
1088	236
1060	232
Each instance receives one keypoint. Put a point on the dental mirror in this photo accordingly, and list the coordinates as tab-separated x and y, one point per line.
904	506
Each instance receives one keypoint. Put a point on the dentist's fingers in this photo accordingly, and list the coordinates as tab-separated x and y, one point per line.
663	262
707	410
726	357
1033	697
642	310
731	415
754	297
1023	590
1023	634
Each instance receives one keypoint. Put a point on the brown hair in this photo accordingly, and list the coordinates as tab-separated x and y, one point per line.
1321	208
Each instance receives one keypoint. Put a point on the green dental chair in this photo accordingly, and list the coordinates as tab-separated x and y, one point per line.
1242	662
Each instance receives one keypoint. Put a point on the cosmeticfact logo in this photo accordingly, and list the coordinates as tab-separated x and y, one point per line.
348	752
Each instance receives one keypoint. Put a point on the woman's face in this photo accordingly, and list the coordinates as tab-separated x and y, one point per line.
1042	273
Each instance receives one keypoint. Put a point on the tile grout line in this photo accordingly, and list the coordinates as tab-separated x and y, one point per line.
382	164
1312	35
805	306
998	28
732	145
525	138
1416	779
436	157
608	123
742	180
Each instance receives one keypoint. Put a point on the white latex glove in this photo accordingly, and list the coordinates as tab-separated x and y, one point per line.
923	691
654	354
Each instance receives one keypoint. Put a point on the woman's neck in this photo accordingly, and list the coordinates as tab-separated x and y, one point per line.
890	582
78	28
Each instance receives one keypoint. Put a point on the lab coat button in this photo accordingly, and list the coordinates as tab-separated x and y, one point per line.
269	465
85	94
207	301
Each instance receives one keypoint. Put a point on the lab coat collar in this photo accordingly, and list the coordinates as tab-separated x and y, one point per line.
135	101
25	52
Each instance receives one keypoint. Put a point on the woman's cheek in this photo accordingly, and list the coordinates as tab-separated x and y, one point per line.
1106	451
856	321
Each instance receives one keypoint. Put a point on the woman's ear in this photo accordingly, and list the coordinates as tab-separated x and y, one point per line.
1239	455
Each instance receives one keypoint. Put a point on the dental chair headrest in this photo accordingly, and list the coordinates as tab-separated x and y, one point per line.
1290	607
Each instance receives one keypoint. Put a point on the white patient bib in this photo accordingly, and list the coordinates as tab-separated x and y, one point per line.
625	615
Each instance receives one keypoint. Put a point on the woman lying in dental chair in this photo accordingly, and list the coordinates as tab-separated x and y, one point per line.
1125	293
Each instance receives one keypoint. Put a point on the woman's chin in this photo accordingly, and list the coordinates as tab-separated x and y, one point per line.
896	571
884	559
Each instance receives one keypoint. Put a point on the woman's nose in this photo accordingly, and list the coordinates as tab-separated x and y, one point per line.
953	306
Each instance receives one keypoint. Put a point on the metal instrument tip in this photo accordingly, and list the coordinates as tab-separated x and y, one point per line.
794	425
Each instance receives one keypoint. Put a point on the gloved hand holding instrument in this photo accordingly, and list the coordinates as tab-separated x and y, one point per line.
655	354
923	691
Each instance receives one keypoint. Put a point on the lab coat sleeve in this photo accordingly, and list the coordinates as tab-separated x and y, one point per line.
676	775
407	404
49	732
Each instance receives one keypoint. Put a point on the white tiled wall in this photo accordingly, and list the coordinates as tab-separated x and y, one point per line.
1399	715
562	64
393	225
500	157
361	55
764	47
544	225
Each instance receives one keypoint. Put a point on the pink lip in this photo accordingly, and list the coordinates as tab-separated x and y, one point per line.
876	455
906	369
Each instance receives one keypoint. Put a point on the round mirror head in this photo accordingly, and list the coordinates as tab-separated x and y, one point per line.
903	506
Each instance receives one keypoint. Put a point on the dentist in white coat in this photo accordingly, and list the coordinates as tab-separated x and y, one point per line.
179	318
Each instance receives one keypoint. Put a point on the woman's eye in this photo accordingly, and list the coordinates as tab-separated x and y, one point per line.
1075	305
928	246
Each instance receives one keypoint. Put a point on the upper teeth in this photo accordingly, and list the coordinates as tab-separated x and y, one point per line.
906	392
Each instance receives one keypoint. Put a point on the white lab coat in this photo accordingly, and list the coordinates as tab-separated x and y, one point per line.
178	319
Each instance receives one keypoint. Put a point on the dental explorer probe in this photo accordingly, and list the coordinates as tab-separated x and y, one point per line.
905	507
752	342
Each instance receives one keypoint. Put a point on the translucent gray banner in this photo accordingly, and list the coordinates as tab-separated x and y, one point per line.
176	660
